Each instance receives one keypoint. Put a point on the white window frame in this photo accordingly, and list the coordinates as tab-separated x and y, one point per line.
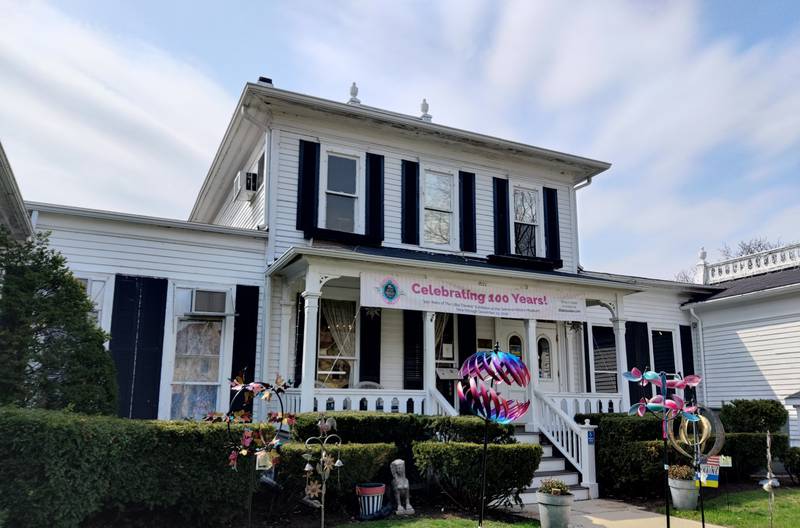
453	244
355	359
677	358
327	150
594	370
551	345
105	302
540	241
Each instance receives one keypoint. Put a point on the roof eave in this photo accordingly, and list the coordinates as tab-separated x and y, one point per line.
756	295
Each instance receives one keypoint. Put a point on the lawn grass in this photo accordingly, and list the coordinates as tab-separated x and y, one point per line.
439	522
750	509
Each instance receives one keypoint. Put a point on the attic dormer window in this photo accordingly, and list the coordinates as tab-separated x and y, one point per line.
342	191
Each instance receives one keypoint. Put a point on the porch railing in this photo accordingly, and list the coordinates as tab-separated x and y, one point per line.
574	441
389	401
587	402
440	404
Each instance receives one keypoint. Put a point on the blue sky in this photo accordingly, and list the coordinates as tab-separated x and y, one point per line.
120	105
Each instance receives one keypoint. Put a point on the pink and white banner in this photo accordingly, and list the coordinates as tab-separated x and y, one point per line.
436	294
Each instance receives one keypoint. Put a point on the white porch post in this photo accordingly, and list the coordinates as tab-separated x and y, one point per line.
622	362
287	307
532	360
429	359
310	328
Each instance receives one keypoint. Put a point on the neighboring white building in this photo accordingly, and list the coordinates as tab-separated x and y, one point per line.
751	330
363	254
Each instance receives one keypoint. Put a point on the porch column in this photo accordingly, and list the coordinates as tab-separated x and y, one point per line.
532	360
429	359
287	307
622	362
310	329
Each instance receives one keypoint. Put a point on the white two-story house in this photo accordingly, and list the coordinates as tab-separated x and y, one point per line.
364	254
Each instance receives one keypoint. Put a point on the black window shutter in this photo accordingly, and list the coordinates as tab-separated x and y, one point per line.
137	329
467	337
637	347
374	220
586	358
307	187
687	355
370	357
501	237
245	334
412	350
299	326
410	202
552	236
663	351
466	187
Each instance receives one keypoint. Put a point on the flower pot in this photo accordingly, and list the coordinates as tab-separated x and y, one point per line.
554	510
370	497
684	494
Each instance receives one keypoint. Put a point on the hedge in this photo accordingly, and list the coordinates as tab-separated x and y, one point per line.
753	416
792	463
58	468
456	467
629	454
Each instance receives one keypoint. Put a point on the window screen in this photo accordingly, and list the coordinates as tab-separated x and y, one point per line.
605	359
209	301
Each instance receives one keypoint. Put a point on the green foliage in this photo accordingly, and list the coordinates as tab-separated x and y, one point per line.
753	416
681	472
51	350
791	460
362	463
749	452
456	467
58	468
554	487
468	429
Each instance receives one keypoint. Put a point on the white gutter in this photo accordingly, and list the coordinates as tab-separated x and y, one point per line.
295	252
581	185
700	338
756	295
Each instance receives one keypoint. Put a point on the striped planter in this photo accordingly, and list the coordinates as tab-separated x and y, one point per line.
370	497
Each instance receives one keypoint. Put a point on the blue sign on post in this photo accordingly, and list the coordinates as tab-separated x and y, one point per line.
591	437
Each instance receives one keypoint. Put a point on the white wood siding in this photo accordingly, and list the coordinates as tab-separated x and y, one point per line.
392	349
246	215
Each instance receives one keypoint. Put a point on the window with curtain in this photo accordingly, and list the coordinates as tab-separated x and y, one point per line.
336	361
196	376
515	345
605	359
438	214
526	202
445	342
545	359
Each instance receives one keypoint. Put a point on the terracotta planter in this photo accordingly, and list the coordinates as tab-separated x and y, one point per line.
684	494
554	510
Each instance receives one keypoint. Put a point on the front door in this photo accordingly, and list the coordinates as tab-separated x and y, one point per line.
548	357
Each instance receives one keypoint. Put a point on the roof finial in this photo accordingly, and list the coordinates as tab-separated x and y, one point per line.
353	94
424	107
702	255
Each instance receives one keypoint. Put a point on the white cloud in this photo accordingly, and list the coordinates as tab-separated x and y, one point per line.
91	119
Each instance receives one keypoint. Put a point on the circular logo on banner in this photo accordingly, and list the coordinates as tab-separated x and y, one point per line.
390	290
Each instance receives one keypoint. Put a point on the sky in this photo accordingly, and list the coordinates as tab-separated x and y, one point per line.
121	105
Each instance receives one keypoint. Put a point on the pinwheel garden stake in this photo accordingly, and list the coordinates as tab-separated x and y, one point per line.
323	466
495	368
666	407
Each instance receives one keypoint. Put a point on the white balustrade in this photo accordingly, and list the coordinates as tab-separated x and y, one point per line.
770	260
440	405
389	401
587	402
574	441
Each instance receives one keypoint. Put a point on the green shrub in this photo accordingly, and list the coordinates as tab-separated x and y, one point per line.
58	468
554	487
753	416
791	460
456	467
681	472
468	429
362	463
749	453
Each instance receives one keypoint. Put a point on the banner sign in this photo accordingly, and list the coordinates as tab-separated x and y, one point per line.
708	476
434	294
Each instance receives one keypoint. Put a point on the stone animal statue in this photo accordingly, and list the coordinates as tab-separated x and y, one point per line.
402	495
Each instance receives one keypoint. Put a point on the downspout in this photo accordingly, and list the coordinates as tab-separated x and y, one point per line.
702	353
585	183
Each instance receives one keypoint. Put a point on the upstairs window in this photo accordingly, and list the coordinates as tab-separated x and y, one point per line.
526	221
438	210
341	192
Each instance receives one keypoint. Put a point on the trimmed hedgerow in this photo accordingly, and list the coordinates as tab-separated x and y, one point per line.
792	463
753	416
456	468
58	468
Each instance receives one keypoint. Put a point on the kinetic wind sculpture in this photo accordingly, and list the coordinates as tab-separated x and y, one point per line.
255	440
665	406
494	368
770	483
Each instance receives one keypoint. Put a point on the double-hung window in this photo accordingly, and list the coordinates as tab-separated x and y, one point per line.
526	222
196	376
438	214
342	191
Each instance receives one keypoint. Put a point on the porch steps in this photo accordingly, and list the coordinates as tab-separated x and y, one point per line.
552	466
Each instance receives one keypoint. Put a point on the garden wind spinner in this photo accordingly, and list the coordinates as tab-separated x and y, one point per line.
492	368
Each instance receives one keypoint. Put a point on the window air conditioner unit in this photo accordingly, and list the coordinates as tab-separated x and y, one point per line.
208	302
245	185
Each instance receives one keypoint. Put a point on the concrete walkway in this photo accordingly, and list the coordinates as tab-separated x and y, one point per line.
615	514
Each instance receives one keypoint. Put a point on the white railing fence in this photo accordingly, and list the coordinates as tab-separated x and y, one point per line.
587	402
440	404
770	260
574	441
389	401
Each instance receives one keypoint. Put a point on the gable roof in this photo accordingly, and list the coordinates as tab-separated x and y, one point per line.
757	283
12	209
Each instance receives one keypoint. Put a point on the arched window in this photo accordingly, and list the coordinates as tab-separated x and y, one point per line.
515	345
545	359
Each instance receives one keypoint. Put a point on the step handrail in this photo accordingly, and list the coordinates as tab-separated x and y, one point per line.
573	440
